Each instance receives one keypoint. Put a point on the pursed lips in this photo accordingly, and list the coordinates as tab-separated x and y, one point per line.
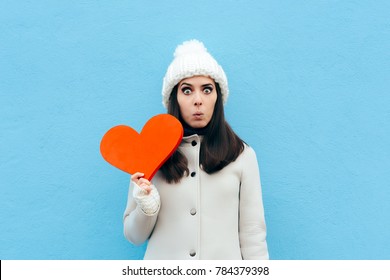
198	115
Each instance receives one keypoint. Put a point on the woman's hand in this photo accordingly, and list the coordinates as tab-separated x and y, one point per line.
141	182
145	194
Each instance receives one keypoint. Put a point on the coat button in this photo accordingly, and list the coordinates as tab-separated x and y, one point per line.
193	211
193	174
194	143
192	253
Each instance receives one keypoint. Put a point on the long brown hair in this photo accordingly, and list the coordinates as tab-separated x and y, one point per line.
220	145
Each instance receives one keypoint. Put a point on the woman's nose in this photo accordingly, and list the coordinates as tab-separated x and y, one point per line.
198	98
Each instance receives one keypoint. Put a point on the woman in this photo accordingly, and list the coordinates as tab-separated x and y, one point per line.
205	202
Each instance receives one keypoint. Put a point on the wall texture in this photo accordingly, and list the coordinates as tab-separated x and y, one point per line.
309	84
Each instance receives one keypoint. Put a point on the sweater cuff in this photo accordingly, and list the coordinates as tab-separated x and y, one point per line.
148	203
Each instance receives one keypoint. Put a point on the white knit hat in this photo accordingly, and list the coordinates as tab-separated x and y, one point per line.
192	59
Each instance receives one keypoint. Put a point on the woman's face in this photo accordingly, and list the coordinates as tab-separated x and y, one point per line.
196	97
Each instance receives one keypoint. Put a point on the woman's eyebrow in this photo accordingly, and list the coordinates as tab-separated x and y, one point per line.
205	85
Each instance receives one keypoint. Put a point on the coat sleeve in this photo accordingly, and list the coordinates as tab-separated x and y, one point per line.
252	228
137	225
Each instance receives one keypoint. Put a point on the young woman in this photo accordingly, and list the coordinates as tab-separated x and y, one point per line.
205	202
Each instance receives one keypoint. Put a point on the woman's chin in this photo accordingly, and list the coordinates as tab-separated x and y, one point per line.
198	124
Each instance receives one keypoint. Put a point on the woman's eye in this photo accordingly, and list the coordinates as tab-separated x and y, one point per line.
186	90
207	90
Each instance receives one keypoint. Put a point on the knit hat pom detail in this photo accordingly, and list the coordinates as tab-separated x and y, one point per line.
190	47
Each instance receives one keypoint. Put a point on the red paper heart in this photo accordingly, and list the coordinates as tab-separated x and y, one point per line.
145	152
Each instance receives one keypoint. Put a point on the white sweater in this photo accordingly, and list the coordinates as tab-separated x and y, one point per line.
217	216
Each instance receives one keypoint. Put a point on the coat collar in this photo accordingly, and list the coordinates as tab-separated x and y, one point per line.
191	138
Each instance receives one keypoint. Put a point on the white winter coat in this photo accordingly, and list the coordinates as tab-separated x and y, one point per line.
217	216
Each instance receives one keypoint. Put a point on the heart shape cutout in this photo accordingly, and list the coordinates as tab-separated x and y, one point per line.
145	152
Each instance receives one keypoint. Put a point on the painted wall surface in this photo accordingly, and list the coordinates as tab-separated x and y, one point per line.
310	91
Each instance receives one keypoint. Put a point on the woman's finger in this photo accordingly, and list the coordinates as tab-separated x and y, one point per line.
136	176
144	181
145	187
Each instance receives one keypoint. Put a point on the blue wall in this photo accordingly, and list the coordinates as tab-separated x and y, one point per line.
310	91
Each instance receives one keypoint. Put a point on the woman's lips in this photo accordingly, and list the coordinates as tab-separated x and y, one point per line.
198	115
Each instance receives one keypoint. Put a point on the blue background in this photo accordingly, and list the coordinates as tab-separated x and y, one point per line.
309	83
